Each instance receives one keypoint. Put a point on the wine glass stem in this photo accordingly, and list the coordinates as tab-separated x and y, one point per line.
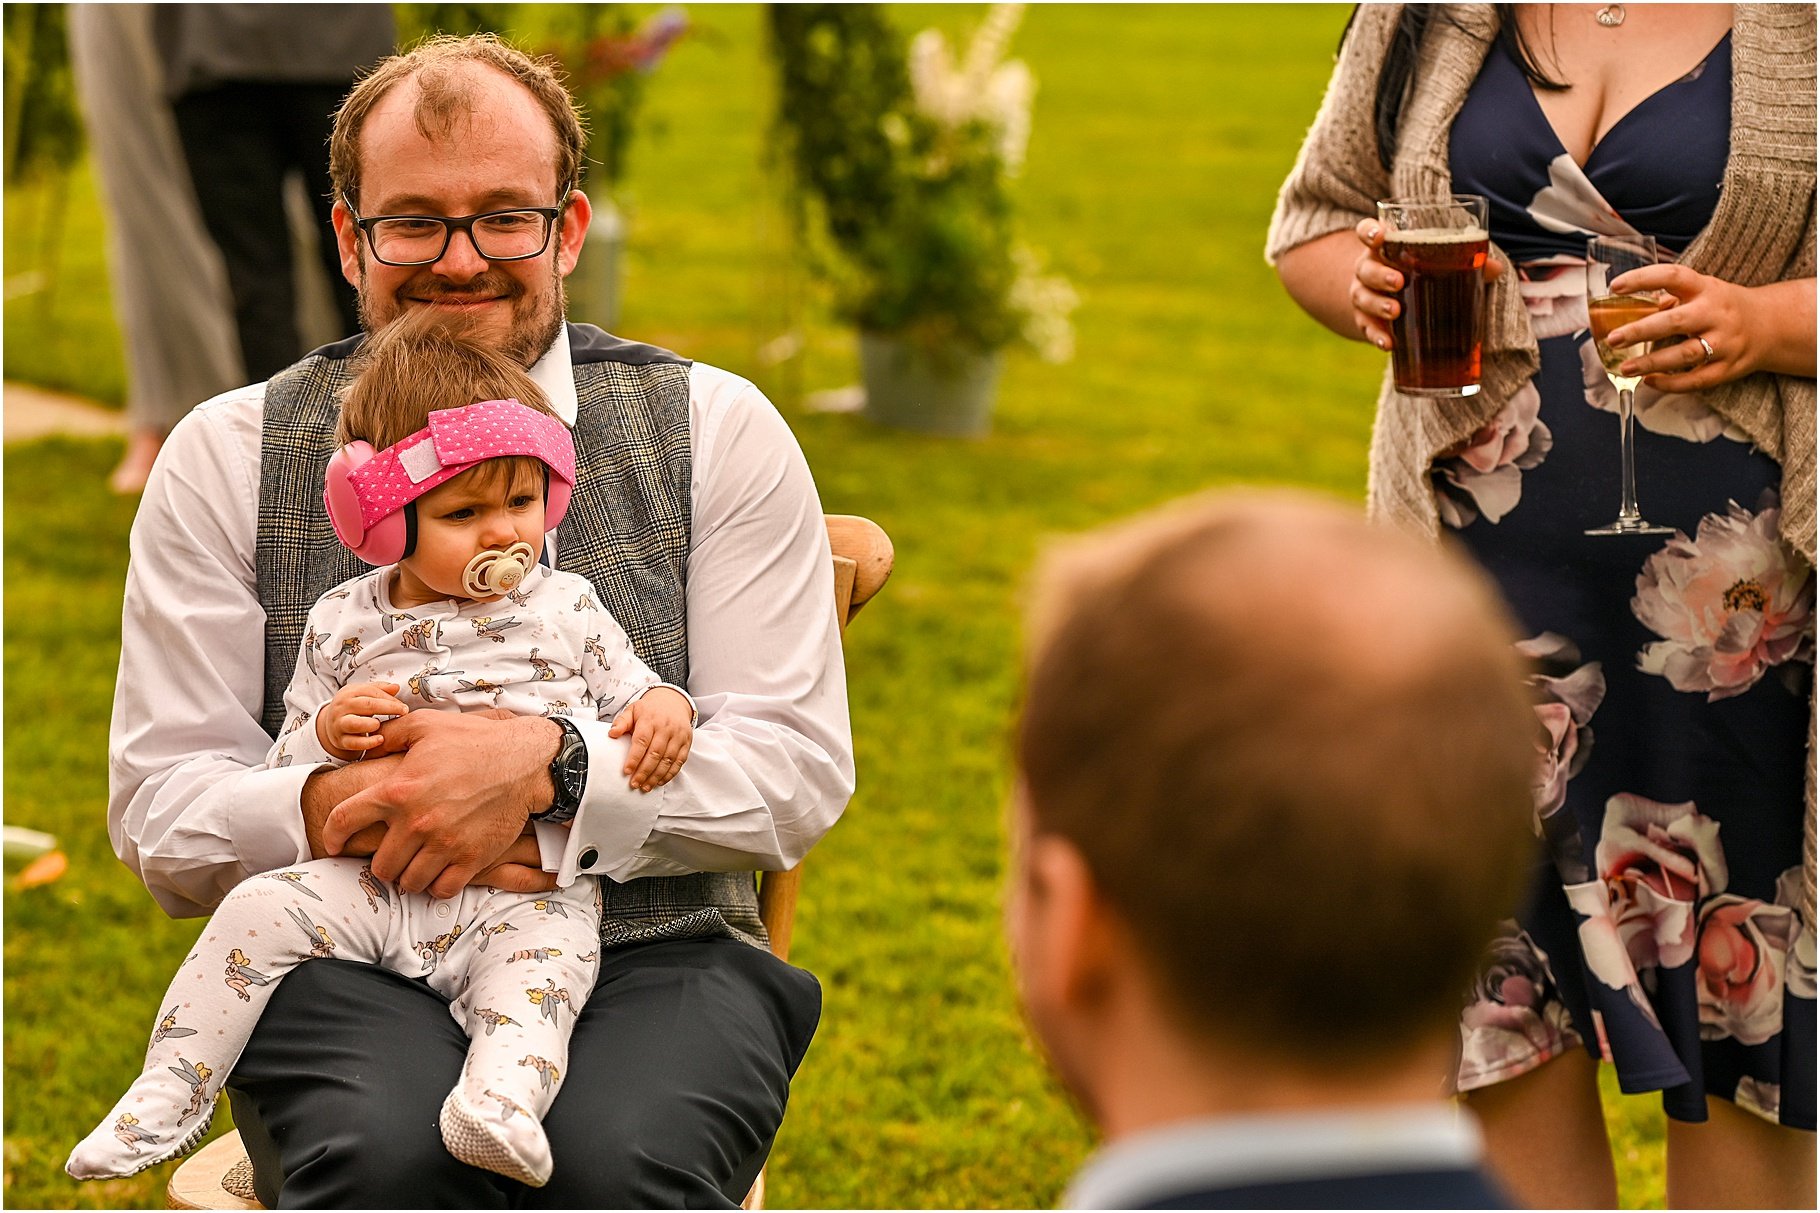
1627	447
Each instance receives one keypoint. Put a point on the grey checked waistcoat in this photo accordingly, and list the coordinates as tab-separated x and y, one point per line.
627	531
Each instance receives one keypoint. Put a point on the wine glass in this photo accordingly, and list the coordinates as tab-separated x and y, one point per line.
1607	258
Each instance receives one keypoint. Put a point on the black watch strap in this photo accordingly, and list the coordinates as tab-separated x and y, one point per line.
568	774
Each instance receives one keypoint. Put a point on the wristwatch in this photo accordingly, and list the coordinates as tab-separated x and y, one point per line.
568	774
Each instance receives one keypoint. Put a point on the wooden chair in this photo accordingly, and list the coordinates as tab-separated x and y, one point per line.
219	1176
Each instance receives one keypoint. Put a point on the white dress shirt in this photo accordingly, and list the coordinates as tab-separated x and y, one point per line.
193	810
1226	1152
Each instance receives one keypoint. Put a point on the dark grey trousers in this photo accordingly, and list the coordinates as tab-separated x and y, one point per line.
240	140
678	1075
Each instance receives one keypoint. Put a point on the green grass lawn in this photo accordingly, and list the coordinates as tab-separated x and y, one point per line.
1160	137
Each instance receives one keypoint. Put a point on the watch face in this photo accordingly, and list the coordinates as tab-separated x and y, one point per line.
572	762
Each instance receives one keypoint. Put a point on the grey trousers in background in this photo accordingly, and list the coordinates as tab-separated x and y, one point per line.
679	1072
169	285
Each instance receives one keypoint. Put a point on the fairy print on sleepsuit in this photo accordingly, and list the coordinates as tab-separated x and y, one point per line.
517	968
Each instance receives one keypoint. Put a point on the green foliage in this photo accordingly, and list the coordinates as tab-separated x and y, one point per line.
840	73
609	59
43	126
419	21
916	211
607	56
1156	172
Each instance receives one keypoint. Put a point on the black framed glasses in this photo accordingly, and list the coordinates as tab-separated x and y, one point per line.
517	234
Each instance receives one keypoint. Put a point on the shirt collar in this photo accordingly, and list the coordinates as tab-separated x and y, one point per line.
554	374
1229	1151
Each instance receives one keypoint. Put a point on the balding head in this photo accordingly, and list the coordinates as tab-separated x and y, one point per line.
447	81
1294	750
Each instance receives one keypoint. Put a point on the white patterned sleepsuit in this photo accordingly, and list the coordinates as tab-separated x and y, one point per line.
517	968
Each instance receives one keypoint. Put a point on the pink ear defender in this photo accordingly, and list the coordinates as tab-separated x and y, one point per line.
366	491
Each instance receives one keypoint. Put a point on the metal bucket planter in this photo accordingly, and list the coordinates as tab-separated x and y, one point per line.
593	289
950	393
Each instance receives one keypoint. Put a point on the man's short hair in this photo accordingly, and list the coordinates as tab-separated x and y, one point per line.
446	93
1294	750
423	362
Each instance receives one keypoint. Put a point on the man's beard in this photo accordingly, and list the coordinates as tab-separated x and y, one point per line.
530	333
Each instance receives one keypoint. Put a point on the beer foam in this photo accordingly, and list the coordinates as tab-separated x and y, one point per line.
1437	235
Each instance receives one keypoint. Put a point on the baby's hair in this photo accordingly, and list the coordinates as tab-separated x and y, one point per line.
423	362
418	364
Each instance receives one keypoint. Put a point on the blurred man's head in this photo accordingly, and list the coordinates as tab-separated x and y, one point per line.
1274	786
453	128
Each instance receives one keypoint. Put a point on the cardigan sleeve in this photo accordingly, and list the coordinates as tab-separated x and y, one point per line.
1337	179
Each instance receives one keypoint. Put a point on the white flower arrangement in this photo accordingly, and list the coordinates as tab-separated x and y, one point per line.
983	89
909	175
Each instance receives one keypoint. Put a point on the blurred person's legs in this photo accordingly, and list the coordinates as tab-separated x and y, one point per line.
170	290
237	165
1738	1160
1545	1135
309	117
241	140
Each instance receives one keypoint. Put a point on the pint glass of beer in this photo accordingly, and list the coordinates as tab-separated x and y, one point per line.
1439	246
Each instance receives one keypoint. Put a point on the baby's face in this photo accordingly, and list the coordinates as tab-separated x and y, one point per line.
486	508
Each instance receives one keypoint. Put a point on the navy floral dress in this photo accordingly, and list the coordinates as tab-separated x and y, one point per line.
1665	931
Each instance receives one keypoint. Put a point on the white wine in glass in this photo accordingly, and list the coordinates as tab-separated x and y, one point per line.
1607	258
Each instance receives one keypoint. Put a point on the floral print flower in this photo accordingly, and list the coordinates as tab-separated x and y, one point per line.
1602	948
1728	604
1485	475
1554	294
1742	953
1672	414
1567	694
1800	973
1514	1016
1760	1097
1570	202
1657	861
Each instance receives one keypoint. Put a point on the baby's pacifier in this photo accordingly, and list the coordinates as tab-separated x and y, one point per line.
492	573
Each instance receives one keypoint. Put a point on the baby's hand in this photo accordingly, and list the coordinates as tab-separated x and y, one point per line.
348	725
659	723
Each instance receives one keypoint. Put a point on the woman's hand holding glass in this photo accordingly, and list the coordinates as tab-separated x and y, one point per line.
1375	283
1729	331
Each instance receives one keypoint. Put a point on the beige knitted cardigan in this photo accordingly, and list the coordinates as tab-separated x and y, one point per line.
1761	231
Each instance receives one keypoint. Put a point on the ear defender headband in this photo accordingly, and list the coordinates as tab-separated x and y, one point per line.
366	492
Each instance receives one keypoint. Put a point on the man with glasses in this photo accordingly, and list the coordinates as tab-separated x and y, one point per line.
696	519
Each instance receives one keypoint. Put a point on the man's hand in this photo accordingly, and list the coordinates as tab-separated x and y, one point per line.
327	788
520	869
455	801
